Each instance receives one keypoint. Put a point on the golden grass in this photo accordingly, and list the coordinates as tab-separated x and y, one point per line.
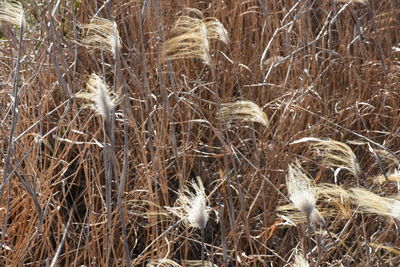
328	70
12	13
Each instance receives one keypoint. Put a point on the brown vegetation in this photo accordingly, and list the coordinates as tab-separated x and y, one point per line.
80	188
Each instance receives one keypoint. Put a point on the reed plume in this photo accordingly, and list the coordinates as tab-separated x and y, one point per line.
336	154
300	261
372	203
302	192
103	34
98	92
12	13
243	110
193	210
162	263
192	38
353	1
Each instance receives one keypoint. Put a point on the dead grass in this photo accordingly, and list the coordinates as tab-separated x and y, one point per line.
323	69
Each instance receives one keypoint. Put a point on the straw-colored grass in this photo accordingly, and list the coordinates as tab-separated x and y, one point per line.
80	190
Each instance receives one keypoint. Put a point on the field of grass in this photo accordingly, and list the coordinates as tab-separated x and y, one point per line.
200	133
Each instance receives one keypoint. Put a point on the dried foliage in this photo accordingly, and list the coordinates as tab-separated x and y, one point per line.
99	93
192	207
75	191
335	154
102	34
193	37
244	111
300	261
12	13
372	203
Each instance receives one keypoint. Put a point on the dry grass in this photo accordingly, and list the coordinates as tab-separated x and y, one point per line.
326	69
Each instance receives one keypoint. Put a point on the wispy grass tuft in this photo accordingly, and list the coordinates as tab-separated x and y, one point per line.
336	154
12	13
103	34
353	1
300	261
242	110
192	38
302	192
162	263
98	92
193	209
373	203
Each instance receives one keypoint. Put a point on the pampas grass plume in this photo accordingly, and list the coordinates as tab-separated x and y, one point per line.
336	154
372	203
162	263
353	1
192	38
302	192
99	94
194	205
300	261
242	110
12	13
103	34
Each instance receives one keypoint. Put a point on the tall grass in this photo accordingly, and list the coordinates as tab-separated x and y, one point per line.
322	69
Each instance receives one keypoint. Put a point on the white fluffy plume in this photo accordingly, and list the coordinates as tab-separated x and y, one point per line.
192	207
302	192
99	94
12	13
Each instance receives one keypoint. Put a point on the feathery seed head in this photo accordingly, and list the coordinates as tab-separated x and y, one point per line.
336	154
300	261
103	34
216	30
193	207
99	94
242	110
12	13
162	263
301	189
390	177
395	209
192	37
372	203
353	1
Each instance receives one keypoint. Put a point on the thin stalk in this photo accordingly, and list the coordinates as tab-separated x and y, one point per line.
202	246
10	147
109	164
122	182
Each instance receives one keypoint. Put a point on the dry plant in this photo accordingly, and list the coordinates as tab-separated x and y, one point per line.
244	111
103	34
300	261
393	177
98	92
12	13
104	104
162	263
332	72
192	38
373	203
302	192
192	208
353	1
335	154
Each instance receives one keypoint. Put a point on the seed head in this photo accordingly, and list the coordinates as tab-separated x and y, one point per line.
372	203
12	13
99	94
103	34
242	110
302	192
192	207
